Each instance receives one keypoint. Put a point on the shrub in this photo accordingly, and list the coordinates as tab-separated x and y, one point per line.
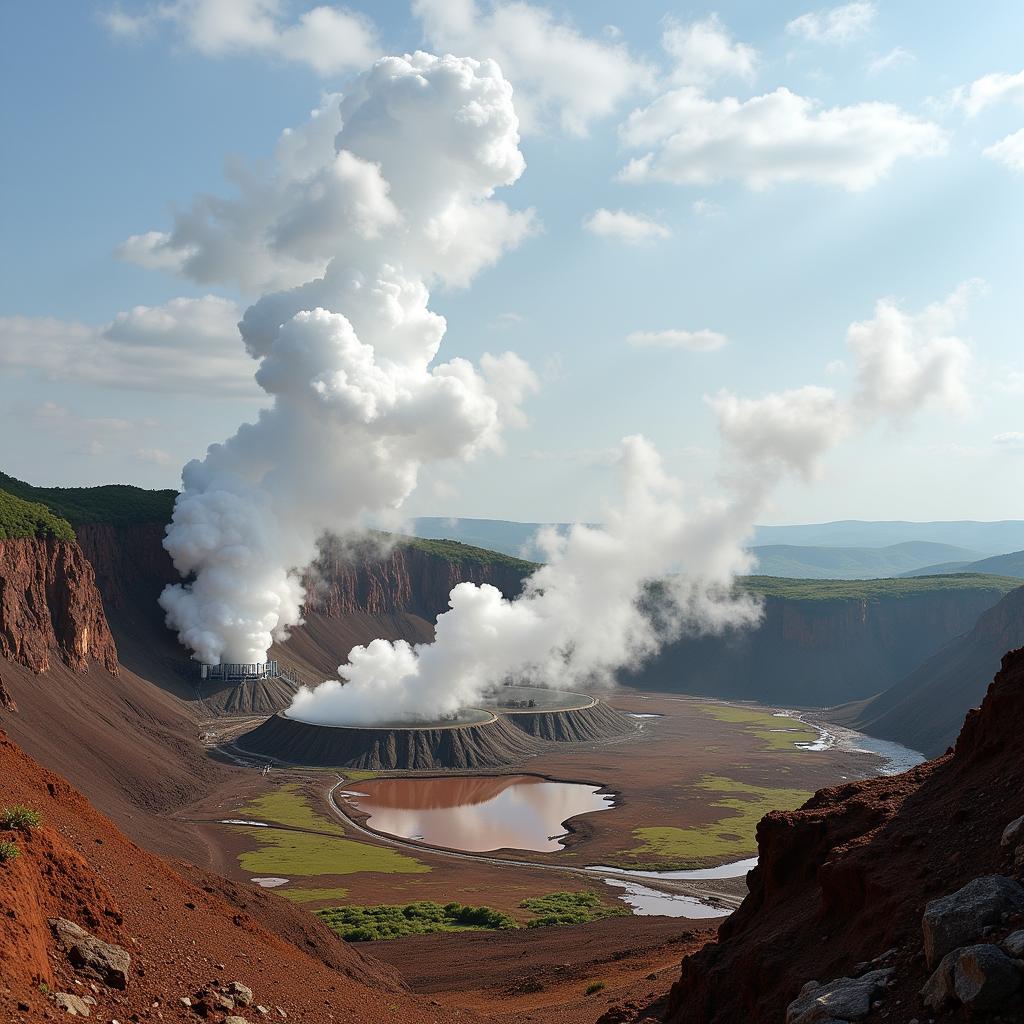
8	851
594	987
19	816
366	924
569	908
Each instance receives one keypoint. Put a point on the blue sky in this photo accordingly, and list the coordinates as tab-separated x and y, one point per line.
111	126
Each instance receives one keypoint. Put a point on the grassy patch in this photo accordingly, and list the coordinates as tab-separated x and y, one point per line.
19	816
594	987
359	775
872	590
777	733
313	895
732	836
8	851
466	554
569	908
288	853
366	924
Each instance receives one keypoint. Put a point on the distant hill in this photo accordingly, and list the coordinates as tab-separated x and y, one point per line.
989	538
1011	564
843	563
925	709
511	538
113	504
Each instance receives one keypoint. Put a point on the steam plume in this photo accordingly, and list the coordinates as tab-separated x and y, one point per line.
401	198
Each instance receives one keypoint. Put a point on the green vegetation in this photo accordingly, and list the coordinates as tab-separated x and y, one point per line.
19	816
21	518
367	924
8	851
873	590
776	732
465	554
320	849
313	895
594	987
359	775
732	836
569	908
116	504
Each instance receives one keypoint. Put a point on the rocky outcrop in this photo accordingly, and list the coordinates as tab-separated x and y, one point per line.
820	652
925	709
854	870
130	561
49	605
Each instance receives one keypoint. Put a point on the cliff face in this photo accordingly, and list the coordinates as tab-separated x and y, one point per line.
846	877
819	652
129	561
925	708
405	579
49	605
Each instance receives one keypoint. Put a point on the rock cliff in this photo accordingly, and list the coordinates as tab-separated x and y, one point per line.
815	652
925	708
846	878
50	606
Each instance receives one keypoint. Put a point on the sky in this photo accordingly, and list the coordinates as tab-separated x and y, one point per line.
713	195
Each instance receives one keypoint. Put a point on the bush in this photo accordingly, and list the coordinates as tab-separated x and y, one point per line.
569	908
20	518
19	816
421	917
8	851
594	987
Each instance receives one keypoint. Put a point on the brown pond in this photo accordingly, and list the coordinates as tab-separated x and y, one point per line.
521	812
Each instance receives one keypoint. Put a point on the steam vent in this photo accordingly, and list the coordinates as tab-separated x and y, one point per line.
515	723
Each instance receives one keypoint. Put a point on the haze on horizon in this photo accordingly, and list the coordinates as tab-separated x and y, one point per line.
654	272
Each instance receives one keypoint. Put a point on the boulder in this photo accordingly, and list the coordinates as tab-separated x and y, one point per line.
92	956
1013	944
1013	832
844	999
985	978
241	994
70	1004
938	989
957	919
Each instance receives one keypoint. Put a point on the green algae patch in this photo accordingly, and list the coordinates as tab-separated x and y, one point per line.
310	844
731	837
777	732
313	895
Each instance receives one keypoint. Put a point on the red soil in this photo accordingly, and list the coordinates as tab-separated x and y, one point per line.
846	877
78	865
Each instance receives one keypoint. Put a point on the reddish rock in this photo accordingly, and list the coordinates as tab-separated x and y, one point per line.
849	874
49	604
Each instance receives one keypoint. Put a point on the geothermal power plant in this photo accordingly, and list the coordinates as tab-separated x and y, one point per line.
507	727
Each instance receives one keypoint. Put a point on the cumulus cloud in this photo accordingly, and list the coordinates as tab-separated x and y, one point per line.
770	139
705	51
328	39
632	228
560	74
396	194
989	90
1010	440
837	25
904	361
342	186
185	346
693	341
1008	151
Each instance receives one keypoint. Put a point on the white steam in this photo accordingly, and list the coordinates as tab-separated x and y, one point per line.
664	562
383	193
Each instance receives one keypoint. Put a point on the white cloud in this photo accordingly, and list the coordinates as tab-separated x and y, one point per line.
989	90
326	38
156	456
704	51
185	346
838	25
1011	440
558	73
693	341
632	228
706	208
898	56
905	361
778	137
1009	151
